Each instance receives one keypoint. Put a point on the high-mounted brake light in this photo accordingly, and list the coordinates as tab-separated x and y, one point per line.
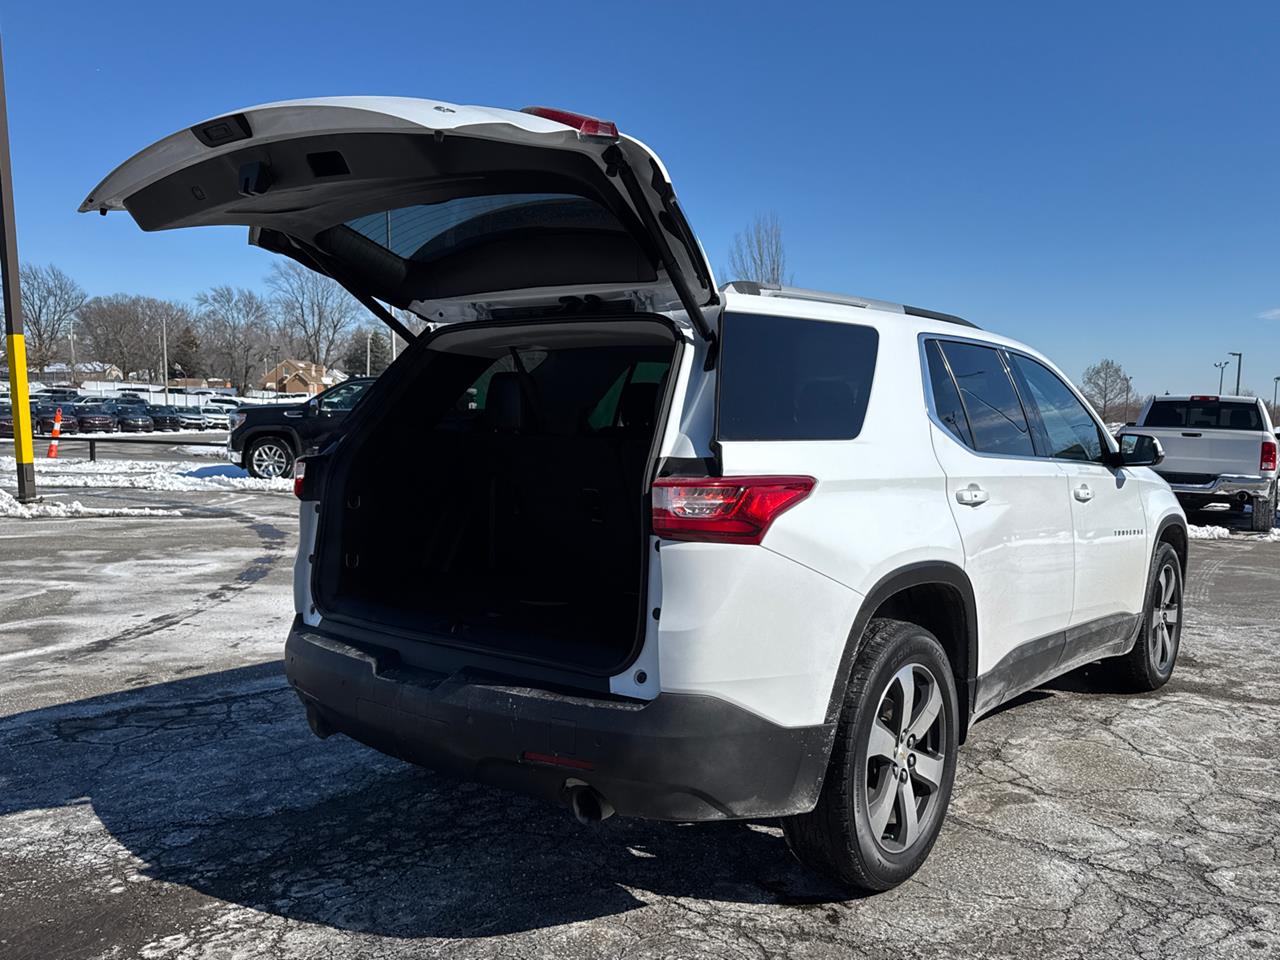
1204	398
588	127
723	509
1268	459
299	472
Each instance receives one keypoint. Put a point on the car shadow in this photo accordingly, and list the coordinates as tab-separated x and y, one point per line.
216	783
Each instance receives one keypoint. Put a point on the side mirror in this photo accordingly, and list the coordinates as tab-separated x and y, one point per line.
1140	450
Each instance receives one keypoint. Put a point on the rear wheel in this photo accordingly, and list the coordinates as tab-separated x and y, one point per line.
889	778
1264	512
1149	665
269	457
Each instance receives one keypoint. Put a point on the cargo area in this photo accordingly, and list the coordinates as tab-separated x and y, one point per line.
512	517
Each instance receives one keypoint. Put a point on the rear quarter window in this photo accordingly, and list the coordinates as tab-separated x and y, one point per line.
783	378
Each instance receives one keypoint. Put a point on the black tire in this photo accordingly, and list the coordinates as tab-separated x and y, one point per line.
1149	665
1264	513
837	837
269	457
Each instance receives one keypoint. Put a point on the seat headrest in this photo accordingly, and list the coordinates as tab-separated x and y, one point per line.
1241	419
504	404
637	407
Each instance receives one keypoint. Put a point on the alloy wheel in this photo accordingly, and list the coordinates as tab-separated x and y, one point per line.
905	758
1166	611
270	460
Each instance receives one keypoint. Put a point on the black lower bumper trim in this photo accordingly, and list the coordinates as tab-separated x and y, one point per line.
677	757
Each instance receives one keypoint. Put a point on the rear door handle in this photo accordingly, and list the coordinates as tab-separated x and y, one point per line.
1083	493
971	496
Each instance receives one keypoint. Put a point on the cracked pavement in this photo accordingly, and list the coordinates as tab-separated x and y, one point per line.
161	795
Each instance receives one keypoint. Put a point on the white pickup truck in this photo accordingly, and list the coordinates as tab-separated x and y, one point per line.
1219	452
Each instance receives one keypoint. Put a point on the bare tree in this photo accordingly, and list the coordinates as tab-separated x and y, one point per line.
50	300
115	330
237	329
124	330
757	253
313	308
1108	388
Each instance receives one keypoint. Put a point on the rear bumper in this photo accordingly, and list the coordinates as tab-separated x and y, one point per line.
1226	486
677	757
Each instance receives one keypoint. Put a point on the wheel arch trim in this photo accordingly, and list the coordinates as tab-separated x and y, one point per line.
913	575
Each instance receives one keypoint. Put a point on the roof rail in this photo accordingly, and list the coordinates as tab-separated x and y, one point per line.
755	289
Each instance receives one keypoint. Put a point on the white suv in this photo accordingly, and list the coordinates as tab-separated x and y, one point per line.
616	537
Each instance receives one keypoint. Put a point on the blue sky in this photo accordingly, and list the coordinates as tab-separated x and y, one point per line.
1097	179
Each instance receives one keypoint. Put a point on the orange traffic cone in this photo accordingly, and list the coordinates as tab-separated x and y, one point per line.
52	452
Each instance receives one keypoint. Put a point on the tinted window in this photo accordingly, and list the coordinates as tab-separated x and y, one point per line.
339	398
426	230
1071	432
788	379
1204	415
995	415
946	398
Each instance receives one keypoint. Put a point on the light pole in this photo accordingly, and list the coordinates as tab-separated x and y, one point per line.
1239	359
1275	385
1222	366
368	341
164	353
71	336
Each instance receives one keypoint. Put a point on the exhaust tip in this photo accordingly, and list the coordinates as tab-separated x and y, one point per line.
588	805
319	726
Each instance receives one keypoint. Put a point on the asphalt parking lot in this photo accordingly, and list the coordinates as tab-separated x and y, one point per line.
162	797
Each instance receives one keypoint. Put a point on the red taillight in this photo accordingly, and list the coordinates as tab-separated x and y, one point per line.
723	509
299	472
586	126
1268	461
1203	398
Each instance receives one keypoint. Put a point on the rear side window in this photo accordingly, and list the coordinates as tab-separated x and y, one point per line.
946	398
787	379
1071	433
1204	415
995	414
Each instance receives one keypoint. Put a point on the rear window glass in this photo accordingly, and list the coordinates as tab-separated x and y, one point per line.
788	379
426	230
1205	415
990	401
946	399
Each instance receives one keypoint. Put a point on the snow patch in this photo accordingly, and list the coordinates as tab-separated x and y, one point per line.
170	476
1208	532
10	507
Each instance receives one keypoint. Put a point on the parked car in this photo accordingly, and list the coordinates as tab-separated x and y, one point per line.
95	418
267	439
131	418
192	418
766	554
164	417
6	419
57	393
44	416
1219	453
215	417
